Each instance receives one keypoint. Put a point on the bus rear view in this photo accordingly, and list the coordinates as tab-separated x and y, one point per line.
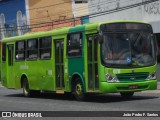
128	58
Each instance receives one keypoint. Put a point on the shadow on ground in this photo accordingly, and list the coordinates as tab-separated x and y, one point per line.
96	98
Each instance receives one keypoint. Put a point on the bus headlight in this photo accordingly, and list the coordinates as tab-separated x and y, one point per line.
151	76
111	79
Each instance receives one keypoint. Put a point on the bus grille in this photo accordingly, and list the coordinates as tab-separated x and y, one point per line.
128	77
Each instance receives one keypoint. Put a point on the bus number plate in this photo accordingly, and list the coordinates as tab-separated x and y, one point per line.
133	87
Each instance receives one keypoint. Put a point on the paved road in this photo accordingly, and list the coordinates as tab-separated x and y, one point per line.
158	72
13	100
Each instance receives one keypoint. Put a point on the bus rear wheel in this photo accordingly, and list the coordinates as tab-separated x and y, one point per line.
79	90
127	95
26	90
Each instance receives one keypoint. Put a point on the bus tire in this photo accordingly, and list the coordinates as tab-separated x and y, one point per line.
78	90
26	90
127	95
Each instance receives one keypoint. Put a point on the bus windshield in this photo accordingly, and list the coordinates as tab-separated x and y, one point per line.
128	49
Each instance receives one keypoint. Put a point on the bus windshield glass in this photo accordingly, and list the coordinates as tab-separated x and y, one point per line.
128	49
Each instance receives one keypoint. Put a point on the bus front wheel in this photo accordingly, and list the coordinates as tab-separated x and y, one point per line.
127	95
79	90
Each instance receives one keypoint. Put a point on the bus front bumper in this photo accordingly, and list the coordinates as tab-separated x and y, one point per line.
106	87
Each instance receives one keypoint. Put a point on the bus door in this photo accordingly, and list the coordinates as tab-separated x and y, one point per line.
92	46
59	64
10	70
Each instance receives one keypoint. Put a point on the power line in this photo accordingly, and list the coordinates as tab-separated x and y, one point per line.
105	12
80	8
91	6
123	8
69	1
90	17
60	13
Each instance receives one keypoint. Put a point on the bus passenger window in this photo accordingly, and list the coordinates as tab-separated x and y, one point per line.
74	45
45	47
20	50
32	49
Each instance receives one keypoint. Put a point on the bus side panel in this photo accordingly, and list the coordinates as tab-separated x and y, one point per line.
3	74
33	74
45	80
38	72
19	68
76	65
30	70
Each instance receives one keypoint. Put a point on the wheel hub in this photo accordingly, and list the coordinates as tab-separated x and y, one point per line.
79	89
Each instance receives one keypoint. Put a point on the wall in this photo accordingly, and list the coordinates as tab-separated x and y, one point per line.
49	15
80	9
57	24
126	9
9	9
41	11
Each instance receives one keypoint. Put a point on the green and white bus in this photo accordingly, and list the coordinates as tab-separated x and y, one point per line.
107	57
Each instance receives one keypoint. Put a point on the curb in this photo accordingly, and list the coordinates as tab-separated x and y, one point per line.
158	85
151	91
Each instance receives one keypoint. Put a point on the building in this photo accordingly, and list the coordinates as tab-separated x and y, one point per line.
143	10
48	15
39	15
80	9
12	18
41	11
60	13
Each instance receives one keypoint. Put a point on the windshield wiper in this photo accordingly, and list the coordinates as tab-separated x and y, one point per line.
137	40
136	63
